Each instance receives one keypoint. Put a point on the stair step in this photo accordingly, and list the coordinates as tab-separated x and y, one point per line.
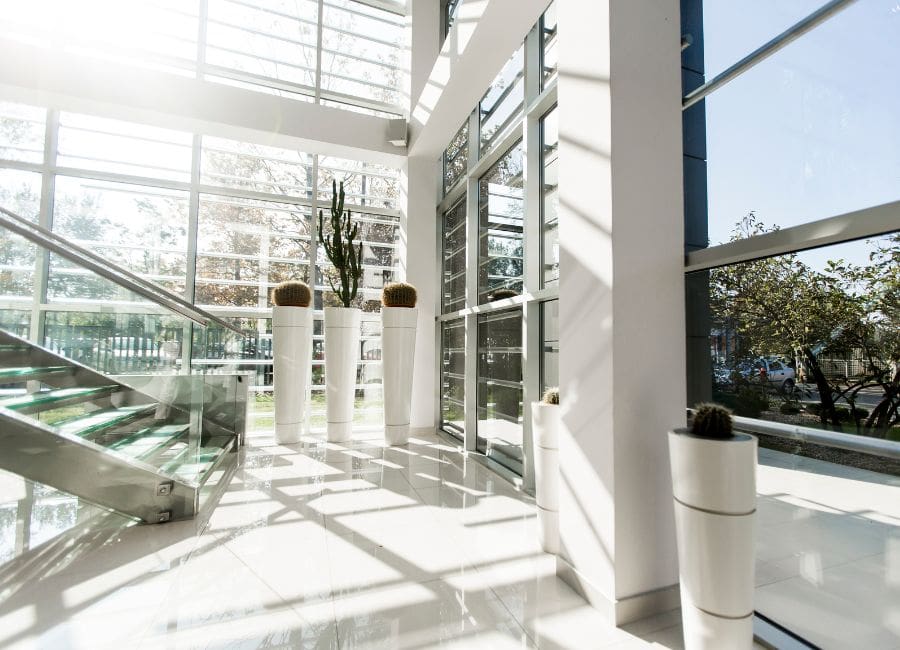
149	441
91	423
195	465
43	400
8	375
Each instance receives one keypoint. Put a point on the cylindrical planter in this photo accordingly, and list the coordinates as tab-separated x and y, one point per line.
398	349
291	348
545	434
341	357
714	487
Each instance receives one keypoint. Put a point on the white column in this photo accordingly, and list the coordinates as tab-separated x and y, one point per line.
622	368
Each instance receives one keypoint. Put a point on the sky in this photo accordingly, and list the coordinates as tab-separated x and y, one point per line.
813	131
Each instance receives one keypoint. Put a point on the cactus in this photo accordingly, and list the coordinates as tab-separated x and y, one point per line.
346	259
500	294
398	294
292	293
711	421
551	396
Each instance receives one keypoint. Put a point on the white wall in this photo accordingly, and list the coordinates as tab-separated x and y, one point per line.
622	376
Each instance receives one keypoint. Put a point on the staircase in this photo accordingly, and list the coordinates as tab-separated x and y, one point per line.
95	436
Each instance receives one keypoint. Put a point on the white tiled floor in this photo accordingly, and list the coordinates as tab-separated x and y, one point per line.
318	546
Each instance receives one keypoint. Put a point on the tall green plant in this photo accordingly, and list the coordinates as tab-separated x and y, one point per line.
346	258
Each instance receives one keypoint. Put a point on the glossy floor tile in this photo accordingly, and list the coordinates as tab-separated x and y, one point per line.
358	545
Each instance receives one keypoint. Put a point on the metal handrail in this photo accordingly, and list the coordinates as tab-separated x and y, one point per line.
834	439
760	54
108	270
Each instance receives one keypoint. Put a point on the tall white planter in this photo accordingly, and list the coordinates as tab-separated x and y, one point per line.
398	348
545	434
291	348
714	486
341	356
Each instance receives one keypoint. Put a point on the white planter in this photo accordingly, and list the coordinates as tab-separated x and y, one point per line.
545	434
714	488
341	357
398	349
291	348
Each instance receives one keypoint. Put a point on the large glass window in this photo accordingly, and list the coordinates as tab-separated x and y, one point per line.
501	210
500	387
269	46
502	103
550	200
453	376
453	293
549	344
22	132
456	157
20	192
549	45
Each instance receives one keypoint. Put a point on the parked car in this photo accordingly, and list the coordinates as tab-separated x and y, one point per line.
774	371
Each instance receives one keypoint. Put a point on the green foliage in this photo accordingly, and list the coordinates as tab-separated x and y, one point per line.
789	408
711	421
551	395
339	247
398	294
292	293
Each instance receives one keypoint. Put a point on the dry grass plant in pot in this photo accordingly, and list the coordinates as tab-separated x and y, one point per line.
399	317
545	416
714	489
292	349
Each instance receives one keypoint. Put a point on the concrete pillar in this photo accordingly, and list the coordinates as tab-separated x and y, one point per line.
622	331
418	220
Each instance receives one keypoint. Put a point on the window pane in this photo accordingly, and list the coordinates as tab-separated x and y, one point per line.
456	157
22	132
500	387
453	296
240	165
453	377
20	192
501	207
549	344
245	247
100	144
550	200
142	228
268	41
364	52
825	141
365	184
550	50
501	103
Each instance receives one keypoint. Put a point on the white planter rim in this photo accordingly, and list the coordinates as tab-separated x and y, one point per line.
683	431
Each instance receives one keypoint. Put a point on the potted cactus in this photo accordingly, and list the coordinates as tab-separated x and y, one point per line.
545	438
398	347
342	323
714	489
292	347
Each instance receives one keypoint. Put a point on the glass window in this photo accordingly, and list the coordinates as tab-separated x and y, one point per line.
825	141
365	184
269	40
549	46
549	344
503	101
22	132
456	157
245	247
104	145
550	200
453	376
364	52
20	192
501	207
239	165
500	387
142	228
450	10
453	294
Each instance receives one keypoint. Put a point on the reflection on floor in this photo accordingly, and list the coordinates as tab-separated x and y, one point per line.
317	546
828	551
